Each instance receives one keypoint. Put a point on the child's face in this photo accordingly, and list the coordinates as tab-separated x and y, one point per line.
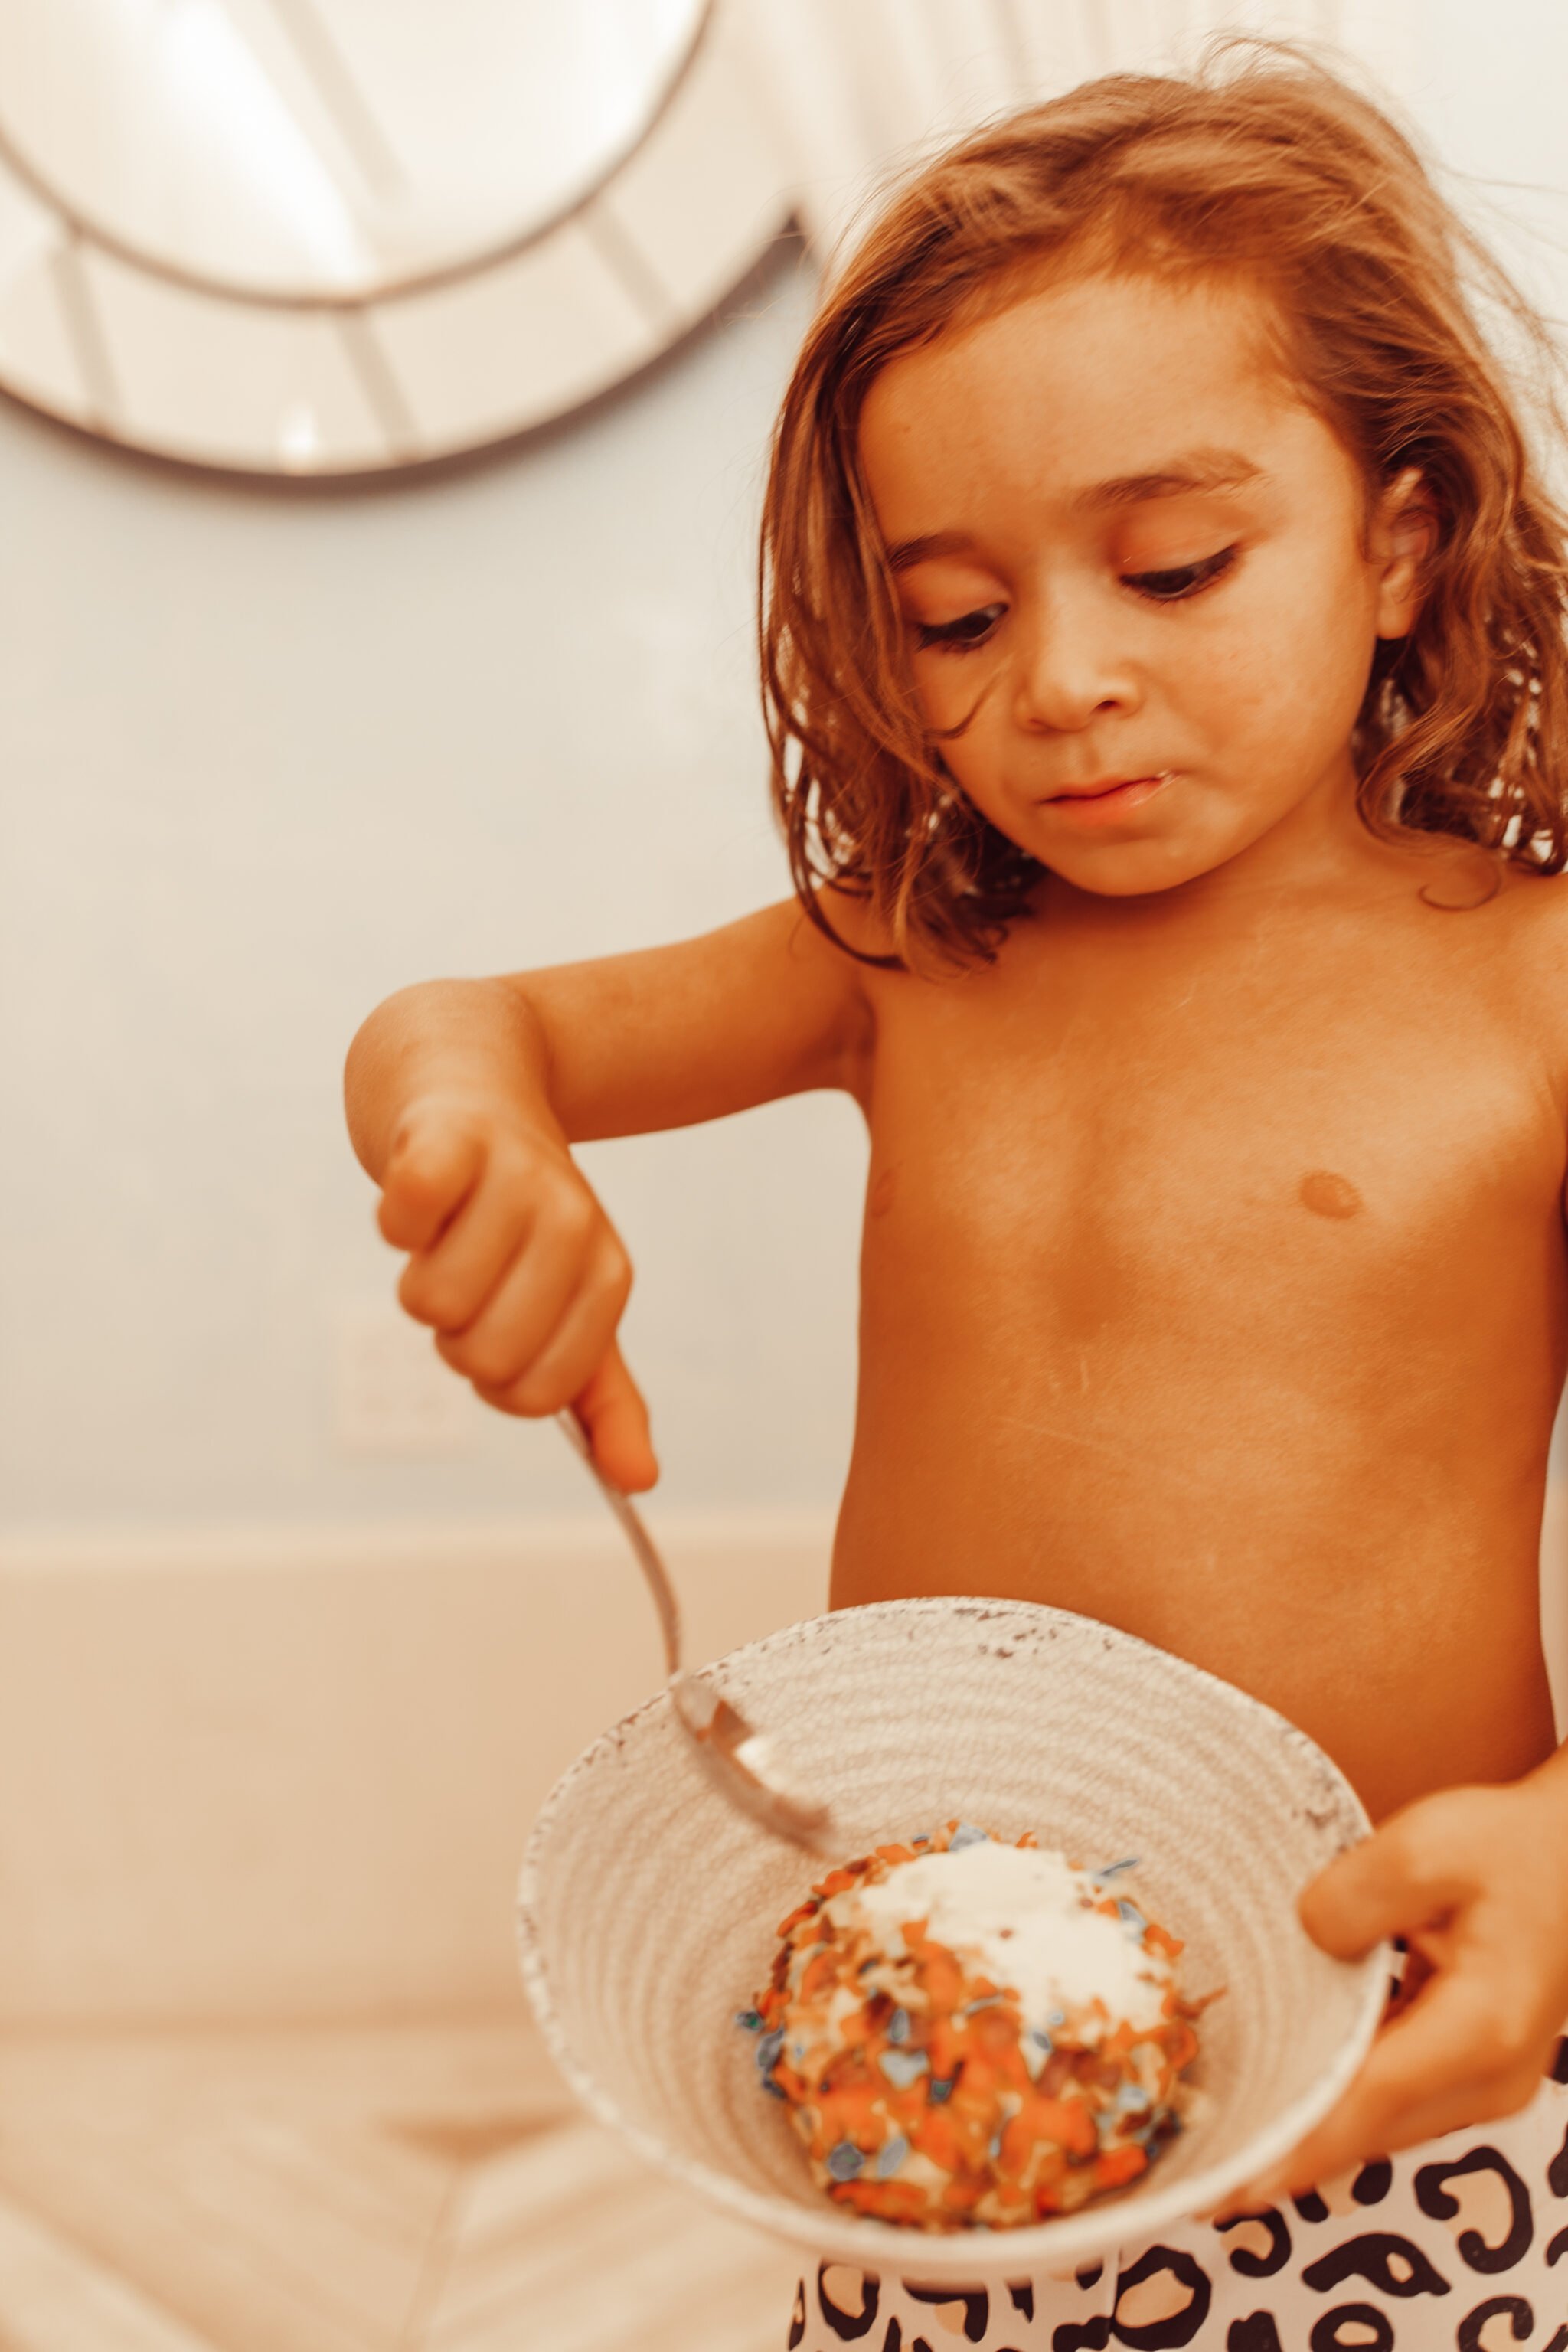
1122	542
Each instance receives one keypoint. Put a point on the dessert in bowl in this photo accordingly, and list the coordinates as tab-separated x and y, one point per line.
650	1909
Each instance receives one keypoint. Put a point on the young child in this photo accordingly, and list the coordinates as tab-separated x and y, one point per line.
1164	649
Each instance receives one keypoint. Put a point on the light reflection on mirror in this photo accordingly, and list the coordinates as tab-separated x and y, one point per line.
325	147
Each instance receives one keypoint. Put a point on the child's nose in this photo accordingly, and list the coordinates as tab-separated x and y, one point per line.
1070	668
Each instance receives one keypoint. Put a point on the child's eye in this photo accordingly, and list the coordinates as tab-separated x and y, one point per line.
960	636
1182	579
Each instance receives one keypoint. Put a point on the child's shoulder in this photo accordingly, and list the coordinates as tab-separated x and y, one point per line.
1529	937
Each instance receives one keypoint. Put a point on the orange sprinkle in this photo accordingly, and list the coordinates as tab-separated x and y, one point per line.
820	1973
834	1883
1181	2045
1120	2165
936	2136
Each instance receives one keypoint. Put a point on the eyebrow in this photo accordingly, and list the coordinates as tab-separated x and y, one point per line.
1196	471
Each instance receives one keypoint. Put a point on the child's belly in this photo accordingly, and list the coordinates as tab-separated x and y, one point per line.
1289	1420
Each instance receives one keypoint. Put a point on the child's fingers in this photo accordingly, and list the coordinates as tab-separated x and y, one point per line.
1447	2062
432	1170
567	1356
448	1285
615	1419
1386	1885
500	1348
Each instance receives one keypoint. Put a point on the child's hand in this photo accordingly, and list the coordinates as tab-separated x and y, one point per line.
517	1269
1475	1880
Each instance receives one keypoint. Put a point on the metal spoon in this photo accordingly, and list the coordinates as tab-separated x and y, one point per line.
739	1758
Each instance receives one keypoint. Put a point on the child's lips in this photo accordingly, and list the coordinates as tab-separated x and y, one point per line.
1101	804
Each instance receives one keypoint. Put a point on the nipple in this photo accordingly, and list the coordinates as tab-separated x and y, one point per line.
1328	1195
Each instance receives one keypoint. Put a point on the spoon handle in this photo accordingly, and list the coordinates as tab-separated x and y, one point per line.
641	1543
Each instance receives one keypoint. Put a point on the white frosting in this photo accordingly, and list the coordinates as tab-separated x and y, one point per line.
1018	1915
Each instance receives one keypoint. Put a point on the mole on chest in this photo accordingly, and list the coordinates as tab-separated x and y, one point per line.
1328	1195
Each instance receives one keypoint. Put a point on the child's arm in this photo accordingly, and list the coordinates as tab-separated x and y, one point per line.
464	1095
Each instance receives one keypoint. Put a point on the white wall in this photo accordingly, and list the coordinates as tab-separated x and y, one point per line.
265	759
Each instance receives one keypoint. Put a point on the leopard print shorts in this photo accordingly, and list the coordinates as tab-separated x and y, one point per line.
1459	2245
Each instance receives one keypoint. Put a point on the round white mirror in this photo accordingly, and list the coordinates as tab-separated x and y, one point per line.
311	147
342	237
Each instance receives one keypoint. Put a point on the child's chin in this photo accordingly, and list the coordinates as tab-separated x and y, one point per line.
1134	870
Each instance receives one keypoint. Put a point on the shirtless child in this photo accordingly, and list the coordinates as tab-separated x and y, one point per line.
1166	667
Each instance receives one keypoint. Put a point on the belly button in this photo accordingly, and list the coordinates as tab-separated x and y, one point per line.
1328	1195
882	1192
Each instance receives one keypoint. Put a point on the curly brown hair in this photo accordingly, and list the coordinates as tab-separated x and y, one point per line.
1267	166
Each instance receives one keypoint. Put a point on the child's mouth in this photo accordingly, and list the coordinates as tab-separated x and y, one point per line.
1101	803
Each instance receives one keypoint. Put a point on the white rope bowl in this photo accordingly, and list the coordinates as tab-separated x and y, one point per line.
649	1904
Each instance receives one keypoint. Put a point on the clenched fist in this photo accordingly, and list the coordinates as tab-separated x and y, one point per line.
517	1269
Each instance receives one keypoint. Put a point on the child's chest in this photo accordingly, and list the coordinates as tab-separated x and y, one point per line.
1227	1127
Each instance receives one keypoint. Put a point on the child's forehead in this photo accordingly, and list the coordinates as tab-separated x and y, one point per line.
1084	383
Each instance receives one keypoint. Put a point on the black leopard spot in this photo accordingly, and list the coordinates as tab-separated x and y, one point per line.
1558	2070
1521	2317
1093	2336
894	2339
1557	2170
1178	2328
798	2316
1372	2182
1373	2257
1244	2260
1311	2206
1023	2299
1328	2334
1432	2196
1257	2333
1090	2276
850	2326
976	2301
1559	2342
1557	2249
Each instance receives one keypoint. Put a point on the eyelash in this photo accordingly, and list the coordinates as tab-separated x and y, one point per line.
948	637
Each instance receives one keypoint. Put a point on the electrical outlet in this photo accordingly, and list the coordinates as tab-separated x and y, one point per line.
394	1397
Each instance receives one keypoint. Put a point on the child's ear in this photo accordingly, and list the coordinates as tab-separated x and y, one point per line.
1404	542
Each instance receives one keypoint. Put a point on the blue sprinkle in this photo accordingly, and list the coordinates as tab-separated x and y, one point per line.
919	1841
1056	2017
1132	2099
995	2149
846	2160
903	2067
1112	1869
770	2050
987	2001
747	2020
1044	2040
898	2025
1129	1914
797	2052
775	2090
966	1835
892	2156
940	2090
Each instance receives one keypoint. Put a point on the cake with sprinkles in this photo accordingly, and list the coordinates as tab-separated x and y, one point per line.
974	2034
